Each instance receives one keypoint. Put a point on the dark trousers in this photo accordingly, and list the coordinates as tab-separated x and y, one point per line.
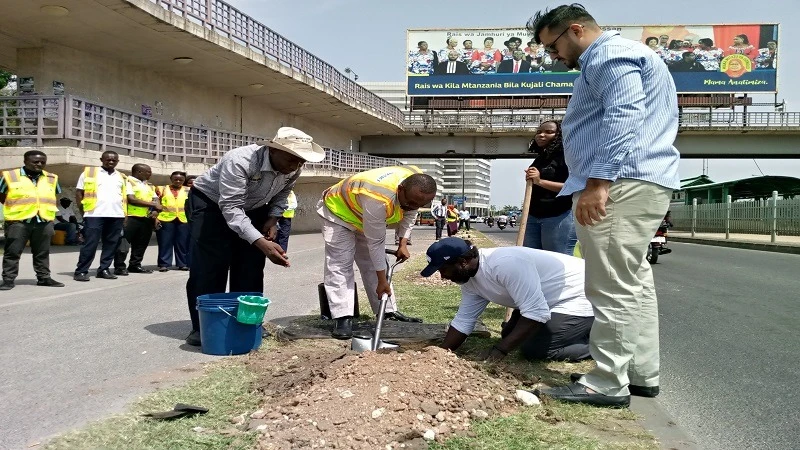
563	338
440	224
173	237
463	223
70	228
109	229
138	231
284	227
17	235
217	250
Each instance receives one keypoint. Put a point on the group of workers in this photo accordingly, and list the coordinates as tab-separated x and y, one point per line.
620	178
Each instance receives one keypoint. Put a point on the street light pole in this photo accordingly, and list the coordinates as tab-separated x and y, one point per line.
463	176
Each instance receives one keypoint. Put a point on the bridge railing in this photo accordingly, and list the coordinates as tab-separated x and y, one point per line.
490	122
67	120
228	21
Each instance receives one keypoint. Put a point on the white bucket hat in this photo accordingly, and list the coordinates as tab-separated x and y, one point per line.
294	141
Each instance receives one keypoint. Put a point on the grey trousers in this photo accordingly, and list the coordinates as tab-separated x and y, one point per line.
17	235
563	338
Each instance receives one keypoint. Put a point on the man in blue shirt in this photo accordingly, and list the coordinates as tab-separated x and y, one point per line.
618	131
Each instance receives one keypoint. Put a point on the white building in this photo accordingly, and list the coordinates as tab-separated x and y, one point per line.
455	177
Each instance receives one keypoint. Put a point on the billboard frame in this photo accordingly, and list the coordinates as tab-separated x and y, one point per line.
604	28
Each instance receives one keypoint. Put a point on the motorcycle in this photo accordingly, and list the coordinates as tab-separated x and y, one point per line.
490	222
512	222
501	224
658	245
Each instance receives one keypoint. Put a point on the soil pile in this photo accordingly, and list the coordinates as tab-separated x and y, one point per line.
332	398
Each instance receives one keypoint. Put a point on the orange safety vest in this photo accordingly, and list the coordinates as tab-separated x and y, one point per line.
342	199
25	199
173	206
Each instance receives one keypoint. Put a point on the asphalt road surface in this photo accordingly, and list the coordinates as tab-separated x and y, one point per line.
730	349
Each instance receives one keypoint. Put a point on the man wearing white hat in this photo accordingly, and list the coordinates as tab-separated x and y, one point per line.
232	211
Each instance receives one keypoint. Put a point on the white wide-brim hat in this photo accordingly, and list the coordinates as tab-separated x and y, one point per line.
294	141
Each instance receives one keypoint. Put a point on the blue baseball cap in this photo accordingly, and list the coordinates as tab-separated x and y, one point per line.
440	252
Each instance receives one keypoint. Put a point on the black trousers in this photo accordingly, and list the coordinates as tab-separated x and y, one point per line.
17	235
440	224
563	338
216	250
138	231
284	228
109	229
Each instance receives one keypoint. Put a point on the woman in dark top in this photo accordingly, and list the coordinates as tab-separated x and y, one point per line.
550	221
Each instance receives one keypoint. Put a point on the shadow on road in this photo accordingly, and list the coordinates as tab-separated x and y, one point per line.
177	329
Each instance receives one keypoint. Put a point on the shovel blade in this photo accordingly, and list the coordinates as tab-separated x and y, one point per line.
360	345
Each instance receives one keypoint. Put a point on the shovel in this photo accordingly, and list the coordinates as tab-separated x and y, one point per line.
364	343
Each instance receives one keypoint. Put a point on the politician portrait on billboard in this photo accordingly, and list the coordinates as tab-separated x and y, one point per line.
702	59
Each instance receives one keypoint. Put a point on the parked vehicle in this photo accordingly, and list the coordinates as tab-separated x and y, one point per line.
426	218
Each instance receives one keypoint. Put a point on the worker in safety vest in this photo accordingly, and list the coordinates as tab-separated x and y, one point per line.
143	208
172	229
355	213
285	222
29	195
101	199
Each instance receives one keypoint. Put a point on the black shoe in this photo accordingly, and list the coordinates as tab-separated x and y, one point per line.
121	272
639	391
400	317
194	338
7	285
139	269
49	282
106	274
163	269
576	393
185	269
343	328
81	277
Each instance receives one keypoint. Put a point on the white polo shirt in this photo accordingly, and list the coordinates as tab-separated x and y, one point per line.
536	282
109	194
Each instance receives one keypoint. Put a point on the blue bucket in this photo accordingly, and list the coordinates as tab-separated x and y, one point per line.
220	332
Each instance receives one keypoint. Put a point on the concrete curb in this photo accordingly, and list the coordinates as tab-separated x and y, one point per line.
761	246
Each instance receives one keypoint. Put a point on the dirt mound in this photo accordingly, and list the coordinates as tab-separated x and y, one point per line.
332	398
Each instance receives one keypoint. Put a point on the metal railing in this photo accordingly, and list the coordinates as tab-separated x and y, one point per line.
43	120
491	122
228	21
768	217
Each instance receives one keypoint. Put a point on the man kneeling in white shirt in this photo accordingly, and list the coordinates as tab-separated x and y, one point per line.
552	316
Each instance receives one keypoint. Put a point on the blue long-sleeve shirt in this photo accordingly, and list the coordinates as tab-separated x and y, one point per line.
622	119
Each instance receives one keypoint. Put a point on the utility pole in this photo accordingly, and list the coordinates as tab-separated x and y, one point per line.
463	176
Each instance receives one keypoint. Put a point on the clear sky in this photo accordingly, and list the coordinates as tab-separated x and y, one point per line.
369	37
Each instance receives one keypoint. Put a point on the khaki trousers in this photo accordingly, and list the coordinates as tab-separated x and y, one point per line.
343	247
619	285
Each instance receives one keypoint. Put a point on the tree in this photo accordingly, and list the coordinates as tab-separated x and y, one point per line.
5	78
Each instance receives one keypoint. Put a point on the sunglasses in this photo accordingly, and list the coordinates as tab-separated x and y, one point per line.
550	48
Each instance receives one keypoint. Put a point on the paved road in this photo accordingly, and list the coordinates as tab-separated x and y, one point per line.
83	352
729	344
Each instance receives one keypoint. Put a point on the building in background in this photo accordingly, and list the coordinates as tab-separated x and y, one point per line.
455	178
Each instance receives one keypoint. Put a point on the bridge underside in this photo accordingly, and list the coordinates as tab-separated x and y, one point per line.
752	144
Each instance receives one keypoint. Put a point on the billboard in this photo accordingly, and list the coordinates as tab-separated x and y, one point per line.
703	59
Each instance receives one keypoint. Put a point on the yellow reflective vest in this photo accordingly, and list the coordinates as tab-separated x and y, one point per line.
25	199
291	200
89	201
342	199
142	190
173	206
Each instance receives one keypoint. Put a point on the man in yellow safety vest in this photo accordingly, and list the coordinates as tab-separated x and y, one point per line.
100	196
143	208
29	195
355	213
285	222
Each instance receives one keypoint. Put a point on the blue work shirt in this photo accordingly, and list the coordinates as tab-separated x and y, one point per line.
623	116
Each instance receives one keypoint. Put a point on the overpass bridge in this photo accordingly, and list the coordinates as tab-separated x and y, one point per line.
177	83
